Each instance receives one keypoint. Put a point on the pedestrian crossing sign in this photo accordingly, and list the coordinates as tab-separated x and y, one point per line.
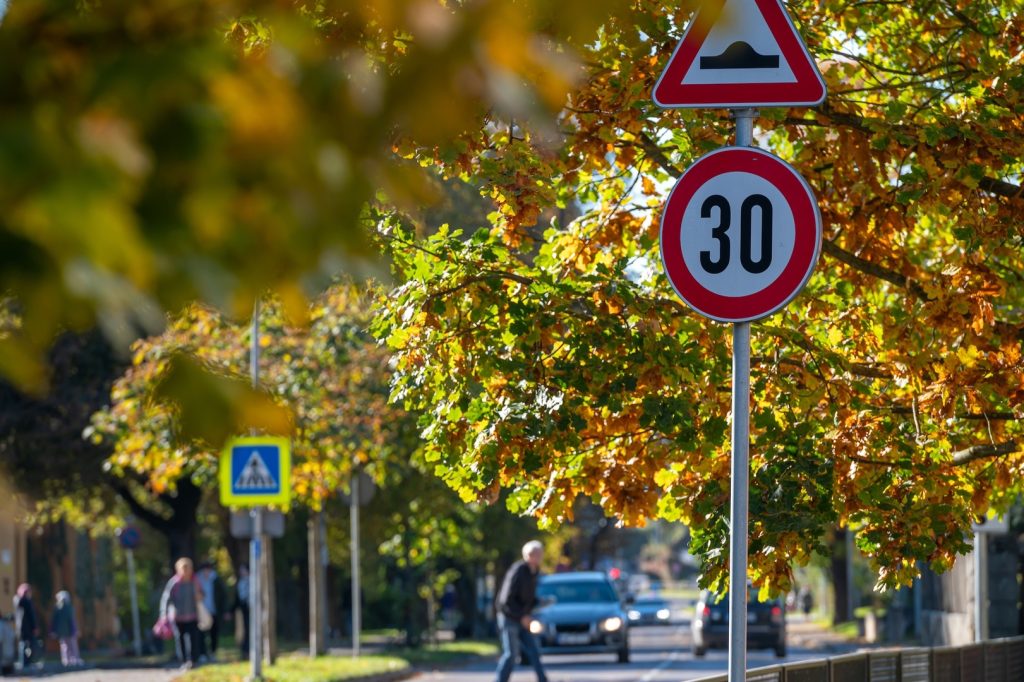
256	471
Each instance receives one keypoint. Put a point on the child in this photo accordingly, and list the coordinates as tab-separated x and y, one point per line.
64	628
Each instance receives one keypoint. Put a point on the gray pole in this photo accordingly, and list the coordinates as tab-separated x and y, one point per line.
357	615
134	596
980	593
256	543
739	502
325	623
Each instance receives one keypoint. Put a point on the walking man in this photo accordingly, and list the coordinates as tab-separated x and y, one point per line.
516	600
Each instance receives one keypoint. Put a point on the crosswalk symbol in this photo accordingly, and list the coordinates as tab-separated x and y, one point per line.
255	471
255	475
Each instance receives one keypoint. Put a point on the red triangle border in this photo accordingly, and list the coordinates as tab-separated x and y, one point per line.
808	90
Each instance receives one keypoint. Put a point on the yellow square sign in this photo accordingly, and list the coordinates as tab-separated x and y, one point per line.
255	471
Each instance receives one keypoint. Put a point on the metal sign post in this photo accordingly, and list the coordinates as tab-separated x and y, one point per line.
739	494
255	601
130	539
724	264
256	543
134	596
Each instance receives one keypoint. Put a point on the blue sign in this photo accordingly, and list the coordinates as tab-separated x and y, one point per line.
255	471
129	537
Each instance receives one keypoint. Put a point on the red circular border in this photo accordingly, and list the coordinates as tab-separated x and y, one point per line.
807	240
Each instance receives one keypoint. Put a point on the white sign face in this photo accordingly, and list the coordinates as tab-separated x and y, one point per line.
739	48
740	232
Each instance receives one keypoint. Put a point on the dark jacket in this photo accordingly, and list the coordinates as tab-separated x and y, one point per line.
62	624
25	617
518	594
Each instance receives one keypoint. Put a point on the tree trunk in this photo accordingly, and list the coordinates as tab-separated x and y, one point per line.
840	578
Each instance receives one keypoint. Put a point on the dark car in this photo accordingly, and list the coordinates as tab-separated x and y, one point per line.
581	613
766	624
650	610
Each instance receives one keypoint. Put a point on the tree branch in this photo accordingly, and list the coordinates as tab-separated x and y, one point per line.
150	517
983	452
873	269
991	185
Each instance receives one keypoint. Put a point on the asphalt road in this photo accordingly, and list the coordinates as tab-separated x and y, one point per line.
659	654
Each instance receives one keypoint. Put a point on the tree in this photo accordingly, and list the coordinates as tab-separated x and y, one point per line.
158	153
325	386
553	359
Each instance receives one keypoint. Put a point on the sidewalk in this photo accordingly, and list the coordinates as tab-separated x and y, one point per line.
56	672
810	634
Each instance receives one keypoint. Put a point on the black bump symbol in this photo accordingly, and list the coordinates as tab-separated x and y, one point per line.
740	55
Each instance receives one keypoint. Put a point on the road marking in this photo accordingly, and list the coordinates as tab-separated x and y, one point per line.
662	666
681	630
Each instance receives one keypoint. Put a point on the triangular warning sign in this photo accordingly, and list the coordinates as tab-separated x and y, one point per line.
740	53
255	475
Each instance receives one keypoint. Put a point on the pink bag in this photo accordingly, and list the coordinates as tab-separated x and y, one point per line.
163	629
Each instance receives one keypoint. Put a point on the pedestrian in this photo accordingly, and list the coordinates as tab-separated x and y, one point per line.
180	604
242	606
27	626
64	628
806	601
214	599
516	599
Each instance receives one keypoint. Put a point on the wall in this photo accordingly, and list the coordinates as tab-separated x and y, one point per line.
948	605
63	558
948	599
12	558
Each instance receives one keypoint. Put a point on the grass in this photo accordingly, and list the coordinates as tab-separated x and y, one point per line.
300	669
391	633
863	611
445	653
849	629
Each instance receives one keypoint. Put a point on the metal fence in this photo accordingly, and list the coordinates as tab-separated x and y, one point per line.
998	660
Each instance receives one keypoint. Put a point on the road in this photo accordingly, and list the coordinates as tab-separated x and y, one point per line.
659	654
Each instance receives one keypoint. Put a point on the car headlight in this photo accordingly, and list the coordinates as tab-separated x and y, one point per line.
663	614
612	624
634	614
536	627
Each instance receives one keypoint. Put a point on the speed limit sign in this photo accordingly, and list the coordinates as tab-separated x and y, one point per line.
740	234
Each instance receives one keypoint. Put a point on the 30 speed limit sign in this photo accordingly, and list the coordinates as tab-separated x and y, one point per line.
740	234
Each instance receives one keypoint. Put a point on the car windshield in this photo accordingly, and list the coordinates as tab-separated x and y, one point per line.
565	591
651	601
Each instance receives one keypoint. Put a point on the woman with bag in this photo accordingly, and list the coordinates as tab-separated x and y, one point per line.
181	605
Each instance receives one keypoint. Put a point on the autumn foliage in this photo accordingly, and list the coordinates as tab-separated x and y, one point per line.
553	359
155	153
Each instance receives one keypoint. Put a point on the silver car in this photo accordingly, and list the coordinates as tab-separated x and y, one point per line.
582	613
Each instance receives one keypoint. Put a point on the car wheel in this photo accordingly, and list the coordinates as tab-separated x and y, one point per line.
624	655
700	651
780	650
7	670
